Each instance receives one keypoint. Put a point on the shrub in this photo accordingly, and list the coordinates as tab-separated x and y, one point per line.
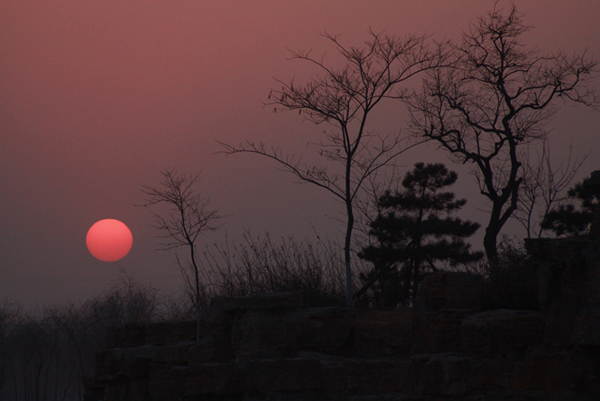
511	284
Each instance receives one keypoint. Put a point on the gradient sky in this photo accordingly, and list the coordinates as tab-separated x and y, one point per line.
98	97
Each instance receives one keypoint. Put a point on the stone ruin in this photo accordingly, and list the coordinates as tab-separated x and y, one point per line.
268	347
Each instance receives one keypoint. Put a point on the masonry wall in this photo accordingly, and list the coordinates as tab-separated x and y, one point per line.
268	347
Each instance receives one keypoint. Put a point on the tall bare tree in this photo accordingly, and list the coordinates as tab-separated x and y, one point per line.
187	217
494	99
344	98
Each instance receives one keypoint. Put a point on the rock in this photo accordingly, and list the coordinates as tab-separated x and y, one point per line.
174	355
555	371
277	333
383	333
499	333
437	332
213	380
163	333
366	376
441	374
276	378
129	335
450	290
586	327
284	300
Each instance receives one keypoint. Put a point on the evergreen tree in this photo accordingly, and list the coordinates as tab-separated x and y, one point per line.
567	219
414	232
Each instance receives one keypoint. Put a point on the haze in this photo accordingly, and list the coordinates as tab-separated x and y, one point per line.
98	97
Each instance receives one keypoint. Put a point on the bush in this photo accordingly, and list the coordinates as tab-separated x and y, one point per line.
259	265
511	284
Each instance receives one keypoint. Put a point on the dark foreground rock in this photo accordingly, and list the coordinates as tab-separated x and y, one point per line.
267	347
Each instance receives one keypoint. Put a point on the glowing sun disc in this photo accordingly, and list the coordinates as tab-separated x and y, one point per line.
109	240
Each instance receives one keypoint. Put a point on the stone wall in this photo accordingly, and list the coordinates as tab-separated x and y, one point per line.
268	347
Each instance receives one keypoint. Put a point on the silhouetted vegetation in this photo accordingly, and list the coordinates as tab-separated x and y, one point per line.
512	282
413	232
344	98
47	355
568	219
495	99
187	217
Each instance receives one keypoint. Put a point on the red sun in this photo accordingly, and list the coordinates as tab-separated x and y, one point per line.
109	240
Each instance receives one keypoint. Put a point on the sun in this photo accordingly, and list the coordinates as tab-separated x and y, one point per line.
109	240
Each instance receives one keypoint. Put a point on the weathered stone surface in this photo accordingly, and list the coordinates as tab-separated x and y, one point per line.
569	269
559	322
442	374
273	377
436	332
129	335
586	327
175	355
556	371
276	333
213	380
164	333
267	348
383	333
284	300
166	383
450	290
501	332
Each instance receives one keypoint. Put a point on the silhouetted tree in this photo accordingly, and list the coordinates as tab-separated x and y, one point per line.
544	184
187	217
344	98
495	98
567	219
414	232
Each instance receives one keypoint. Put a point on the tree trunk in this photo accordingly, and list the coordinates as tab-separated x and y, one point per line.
490	243
347	257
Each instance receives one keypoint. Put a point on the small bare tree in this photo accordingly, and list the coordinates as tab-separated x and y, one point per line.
544	184
188	216
344	98
492	101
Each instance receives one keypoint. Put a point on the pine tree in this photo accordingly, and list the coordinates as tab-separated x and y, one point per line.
567	219
413	233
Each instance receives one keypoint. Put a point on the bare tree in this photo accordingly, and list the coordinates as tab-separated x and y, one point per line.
544	184
495	98
188	215
344	98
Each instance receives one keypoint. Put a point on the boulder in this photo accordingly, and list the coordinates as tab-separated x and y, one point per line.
450	290
383	333
586	327
281	300
277	333
437	332
501	332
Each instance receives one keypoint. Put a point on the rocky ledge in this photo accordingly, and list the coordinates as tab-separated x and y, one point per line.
268	347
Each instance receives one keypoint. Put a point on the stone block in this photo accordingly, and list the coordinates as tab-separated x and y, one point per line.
441	374
501	332
278	377
276	333
129	335
450	290
281	300
164	333
586	327
437	332
213	380
174	355
383	333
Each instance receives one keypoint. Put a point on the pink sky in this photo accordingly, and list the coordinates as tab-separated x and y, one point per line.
98	97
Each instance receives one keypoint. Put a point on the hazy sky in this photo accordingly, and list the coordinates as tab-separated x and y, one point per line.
98	97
